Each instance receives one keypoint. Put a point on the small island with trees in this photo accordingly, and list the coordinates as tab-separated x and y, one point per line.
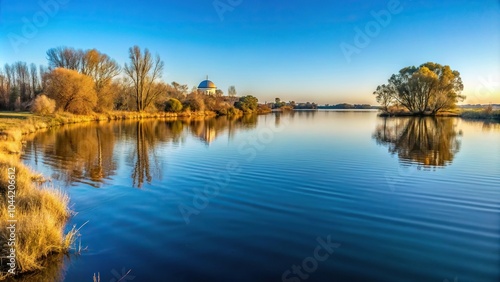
428	90
425	90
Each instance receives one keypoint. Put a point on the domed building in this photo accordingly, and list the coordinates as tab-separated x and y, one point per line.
207	87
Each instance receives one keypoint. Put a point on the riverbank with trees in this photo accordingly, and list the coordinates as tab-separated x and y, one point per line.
79	86
88	82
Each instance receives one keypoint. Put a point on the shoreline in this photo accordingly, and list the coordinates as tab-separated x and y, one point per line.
33	216
464	114
31	123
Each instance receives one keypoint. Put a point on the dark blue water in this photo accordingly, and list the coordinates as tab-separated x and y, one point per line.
308	196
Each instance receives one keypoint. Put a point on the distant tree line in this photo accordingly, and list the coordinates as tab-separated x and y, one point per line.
279	104
306	106
19	84
85	81
348	106
478	106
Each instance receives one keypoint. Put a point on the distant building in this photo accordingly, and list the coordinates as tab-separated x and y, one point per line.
207	87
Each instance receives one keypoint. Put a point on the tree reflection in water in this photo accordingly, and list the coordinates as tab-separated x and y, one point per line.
149	136
207	130
431	142
86	152
78	152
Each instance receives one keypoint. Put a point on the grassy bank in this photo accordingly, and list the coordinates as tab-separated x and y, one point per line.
29	123
40	212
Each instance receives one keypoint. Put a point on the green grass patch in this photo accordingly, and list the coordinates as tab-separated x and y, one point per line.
15	115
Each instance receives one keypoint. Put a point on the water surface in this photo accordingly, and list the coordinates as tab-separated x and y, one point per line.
400	199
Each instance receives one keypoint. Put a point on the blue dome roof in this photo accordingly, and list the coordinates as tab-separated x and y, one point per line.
207	84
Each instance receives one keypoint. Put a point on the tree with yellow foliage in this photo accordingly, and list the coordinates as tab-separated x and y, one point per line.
99	66
72	91
427	89
102	69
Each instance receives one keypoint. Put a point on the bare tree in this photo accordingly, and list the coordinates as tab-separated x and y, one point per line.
4	94
65	57
35	82
43	71
8	82
143	70
100	67
231	91
22	81
177	90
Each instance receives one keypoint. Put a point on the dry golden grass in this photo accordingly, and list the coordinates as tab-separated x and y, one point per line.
41	212
54	268
29	123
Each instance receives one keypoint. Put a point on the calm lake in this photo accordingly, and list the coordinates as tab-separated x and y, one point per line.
302	196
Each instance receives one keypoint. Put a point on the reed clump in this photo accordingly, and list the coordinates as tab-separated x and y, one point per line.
40	213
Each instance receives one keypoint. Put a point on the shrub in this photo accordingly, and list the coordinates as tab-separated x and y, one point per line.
73	92
232	111
247	103
173	105
43	105
194	104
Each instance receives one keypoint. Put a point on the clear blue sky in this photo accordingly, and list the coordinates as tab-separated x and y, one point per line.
289	49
